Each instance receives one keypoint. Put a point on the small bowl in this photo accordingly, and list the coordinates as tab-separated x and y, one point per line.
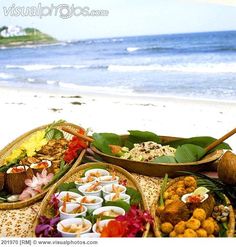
123	197
92	172
61	194
90	235
70	207
103	179
68	222
101	224
84	180
83	188
91	206
118	210
107	189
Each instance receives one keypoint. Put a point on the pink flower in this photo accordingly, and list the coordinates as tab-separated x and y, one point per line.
43	177
27	194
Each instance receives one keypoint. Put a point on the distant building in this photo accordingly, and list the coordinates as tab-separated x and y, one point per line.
12	31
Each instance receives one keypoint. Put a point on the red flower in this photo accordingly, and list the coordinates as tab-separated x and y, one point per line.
75	145
113	229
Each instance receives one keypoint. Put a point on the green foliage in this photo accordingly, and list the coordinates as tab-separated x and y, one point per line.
163	189
54	134
67	187
118	203
202	141
165	159
223	229
103	140
135	196
189	153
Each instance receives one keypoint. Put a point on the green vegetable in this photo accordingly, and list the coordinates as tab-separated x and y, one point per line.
223	229
118	203
66	186
135	196
189	153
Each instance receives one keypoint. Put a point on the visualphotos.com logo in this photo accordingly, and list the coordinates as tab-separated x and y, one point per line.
64	11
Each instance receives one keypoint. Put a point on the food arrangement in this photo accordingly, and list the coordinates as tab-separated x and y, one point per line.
39	159
92	213
146	153
187	207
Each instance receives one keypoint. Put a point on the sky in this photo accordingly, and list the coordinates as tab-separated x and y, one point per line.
125	18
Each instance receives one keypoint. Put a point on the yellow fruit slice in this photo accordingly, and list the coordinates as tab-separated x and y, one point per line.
200	191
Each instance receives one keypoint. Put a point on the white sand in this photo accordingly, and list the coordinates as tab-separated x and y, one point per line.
22	110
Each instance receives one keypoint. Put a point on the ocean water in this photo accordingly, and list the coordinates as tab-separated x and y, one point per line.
195	65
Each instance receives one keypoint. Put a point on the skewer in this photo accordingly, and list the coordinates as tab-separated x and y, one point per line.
75	133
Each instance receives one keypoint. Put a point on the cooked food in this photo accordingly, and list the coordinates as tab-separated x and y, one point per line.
41	165
189	233
75	228
193	224
76	210
110	213
175	212
93	188
116	189
199	214
147	151
201	233
180	227
68	198
87	200
96	174
108	178
209	226
166	227
85	180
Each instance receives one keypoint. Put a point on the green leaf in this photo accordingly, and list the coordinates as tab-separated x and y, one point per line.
118	203
189	153
93	167
202	141
67	187
103	140
165	159
135	196
54	134
137	136
223	229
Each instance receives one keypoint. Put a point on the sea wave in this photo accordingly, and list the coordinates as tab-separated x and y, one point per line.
37	67
188	68
6	76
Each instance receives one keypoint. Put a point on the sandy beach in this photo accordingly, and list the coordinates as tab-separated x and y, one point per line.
22	110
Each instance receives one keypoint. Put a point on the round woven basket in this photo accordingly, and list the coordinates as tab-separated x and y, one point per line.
76	173
17	142
157	222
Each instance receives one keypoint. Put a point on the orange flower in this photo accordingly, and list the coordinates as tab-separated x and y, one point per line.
113	229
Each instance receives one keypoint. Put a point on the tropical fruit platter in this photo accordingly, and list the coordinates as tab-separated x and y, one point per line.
33	162
58	181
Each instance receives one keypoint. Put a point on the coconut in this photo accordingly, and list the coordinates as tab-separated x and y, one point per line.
227	168
15	181
2	180
40	166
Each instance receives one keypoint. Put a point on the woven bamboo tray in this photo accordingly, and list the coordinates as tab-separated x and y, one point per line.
17	142
157	222
159	169
76	173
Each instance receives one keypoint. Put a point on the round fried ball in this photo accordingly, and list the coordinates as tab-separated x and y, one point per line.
173	234
180	235
180	227
199	214
209	226
193	224
190	189
190	182
211	236
168	201
174	197
166	227
201	233
190	233
180	184
166	195
180	191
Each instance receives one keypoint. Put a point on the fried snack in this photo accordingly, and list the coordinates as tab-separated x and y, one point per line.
190	233
175	212
199	214
201	233
217	228
193	224
190	182
209	226
166	227
173	234
180	227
